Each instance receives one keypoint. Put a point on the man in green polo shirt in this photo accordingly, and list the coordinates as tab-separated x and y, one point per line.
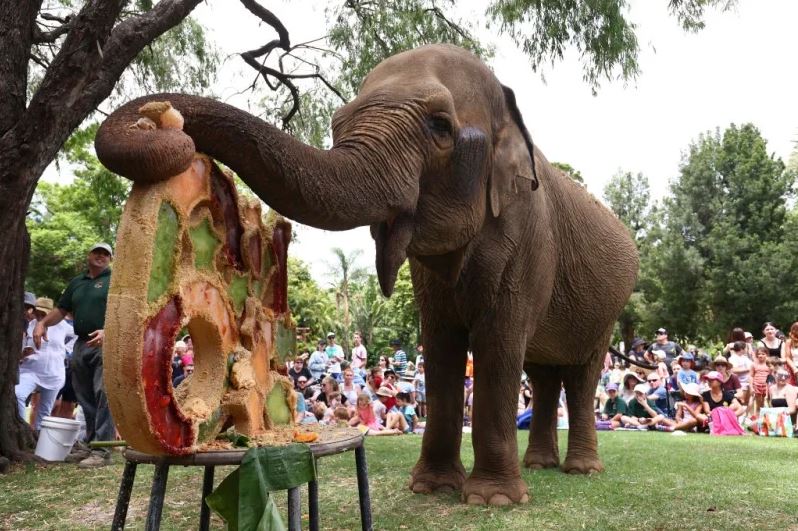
85	298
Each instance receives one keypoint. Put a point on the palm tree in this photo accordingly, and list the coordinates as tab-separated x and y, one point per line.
344	272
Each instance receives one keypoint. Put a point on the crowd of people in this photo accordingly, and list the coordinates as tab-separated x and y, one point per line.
663	386
332	388
61	362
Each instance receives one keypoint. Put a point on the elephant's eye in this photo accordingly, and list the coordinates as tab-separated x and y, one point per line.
439	125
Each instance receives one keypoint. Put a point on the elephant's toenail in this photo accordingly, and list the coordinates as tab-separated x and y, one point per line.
475	499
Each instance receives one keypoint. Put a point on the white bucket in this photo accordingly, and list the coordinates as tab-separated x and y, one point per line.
56	438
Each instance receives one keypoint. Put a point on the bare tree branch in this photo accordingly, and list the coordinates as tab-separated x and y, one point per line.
52	35
283	43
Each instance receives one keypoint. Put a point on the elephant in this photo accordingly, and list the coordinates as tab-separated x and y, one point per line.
509	257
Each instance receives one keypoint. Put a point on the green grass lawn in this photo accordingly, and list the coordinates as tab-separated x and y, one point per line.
652	481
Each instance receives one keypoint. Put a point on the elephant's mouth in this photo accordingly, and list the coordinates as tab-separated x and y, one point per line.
392	238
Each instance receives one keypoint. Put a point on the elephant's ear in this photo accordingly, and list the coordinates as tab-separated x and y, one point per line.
513	155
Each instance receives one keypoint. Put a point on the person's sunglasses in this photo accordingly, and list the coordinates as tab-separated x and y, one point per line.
782	375
653	379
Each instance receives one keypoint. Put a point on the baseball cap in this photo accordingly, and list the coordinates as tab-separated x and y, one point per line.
662	331
687	356
395	343
641	388
612	387
748	335
103	246
330	334
30	299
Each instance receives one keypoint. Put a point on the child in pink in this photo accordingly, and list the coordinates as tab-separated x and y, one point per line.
365	418
760	371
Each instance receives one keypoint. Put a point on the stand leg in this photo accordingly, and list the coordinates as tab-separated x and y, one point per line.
363	487
123	500
207	487
313	505
156	497
294	510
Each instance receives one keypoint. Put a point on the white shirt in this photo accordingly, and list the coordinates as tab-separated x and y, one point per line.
359	356
738	362
47	362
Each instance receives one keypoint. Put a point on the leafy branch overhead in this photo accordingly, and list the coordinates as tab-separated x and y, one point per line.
361	33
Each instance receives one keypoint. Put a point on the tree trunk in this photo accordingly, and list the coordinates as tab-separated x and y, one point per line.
83	73
16	438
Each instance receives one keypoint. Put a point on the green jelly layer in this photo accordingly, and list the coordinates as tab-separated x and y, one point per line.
205	244
164	251
286	341
277	406
238	290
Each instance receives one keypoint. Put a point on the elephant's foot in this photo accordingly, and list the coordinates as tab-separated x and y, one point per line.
425	478
538	459
495	491
583	464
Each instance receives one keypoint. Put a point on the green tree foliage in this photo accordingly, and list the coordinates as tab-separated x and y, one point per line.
344	273
599	30
725	257
403	321
629	196
570	171
65	220
311	306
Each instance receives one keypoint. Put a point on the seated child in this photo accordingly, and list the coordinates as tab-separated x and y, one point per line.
614	407
405	407
690	415
365	418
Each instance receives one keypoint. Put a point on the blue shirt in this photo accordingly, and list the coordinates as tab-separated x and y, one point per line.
400	362
687	376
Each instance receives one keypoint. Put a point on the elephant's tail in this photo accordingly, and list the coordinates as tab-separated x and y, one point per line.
642	364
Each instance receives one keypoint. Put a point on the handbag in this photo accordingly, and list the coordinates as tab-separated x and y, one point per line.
773	422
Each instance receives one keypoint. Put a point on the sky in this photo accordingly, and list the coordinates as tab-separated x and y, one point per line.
739	69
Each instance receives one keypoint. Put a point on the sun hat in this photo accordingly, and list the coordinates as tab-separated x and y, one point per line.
384	391
633	375
612	387
180	344
103	246
637	342
687	356
720	360
30	299
43	304
713	375
641	388
691	389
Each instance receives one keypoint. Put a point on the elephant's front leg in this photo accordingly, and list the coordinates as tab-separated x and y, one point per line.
496	477
439	466
580	390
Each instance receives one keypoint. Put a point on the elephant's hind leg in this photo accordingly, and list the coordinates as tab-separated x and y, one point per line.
542	451
580	390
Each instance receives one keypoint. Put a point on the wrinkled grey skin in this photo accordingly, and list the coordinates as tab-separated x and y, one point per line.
434	156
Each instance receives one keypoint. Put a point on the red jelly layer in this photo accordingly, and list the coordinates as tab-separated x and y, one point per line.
223	198
173	430
280	240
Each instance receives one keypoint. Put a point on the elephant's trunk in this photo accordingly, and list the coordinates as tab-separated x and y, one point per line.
355	183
